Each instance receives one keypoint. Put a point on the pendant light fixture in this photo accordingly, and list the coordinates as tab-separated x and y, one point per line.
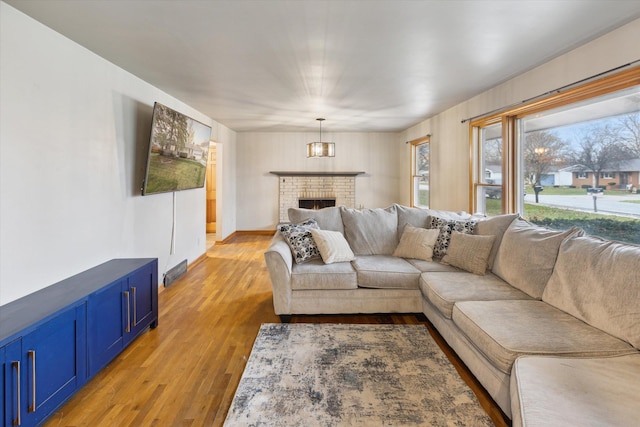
321	149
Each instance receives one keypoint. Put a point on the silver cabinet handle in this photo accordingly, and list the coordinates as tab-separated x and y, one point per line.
32	355
135	303
17	421
127	328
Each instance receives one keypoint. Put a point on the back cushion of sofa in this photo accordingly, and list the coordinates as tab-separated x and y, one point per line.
598	281
327	218
494	226
421	218
371	231
527	254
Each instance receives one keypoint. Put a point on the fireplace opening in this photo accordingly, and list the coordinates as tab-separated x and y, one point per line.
311	203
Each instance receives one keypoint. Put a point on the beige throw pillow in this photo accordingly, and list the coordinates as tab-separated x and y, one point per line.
333	246
469	252
416	243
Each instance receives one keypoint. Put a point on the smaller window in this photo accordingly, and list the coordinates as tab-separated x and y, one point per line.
582	175
420	173
607	175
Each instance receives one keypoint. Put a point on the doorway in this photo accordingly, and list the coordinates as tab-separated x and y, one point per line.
211	190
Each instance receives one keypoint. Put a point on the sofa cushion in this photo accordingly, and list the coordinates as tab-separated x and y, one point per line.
505	329
598	281
300	240
446	227
527	255
333	246
316	274
423	265
561	391
385	272
416	243
327	218
469	252
419	217
443	289
371	231
494	226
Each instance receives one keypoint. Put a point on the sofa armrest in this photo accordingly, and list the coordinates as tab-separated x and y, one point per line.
279	261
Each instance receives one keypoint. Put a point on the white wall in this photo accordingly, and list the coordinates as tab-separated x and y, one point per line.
73	139
377	154
450	137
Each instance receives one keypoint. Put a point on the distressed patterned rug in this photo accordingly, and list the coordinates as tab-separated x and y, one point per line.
351	375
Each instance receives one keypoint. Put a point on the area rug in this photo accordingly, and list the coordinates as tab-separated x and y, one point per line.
351	375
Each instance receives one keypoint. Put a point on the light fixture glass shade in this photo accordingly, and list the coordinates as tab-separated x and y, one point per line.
321	149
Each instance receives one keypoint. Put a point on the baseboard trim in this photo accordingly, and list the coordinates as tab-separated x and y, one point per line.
197	261
239	233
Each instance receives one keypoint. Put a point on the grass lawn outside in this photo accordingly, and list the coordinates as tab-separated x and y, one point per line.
611	227
566	191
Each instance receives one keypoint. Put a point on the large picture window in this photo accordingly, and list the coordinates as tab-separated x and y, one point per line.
420	172
572	159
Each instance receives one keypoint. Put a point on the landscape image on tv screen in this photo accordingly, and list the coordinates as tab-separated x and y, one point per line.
178	152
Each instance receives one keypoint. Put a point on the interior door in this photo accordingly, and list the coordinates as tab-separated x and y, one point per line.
211	189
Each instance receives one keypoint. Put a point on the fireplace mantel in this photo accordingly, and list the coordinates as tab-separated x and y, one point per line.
315	173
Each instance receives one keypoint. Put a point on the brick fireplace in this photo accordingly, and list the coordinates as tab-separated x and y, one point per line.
315	190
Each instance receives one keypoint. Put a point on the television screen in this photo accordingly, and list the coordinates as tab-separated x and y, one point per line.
178	152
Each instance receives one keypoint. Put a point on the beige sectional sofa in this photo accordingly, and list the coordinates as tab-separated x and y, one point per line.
549	302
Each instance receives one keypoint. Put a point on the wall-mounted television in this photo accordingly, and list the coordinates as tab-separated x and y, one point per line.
178	152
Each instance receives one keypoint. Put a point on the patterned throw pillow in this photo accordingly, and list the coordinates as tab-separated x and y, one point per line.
446	226
300	240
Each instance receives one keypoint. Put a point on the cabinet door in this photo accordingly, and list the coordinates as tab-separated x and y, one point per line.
3	384
142	294
106	325
54	363
14	393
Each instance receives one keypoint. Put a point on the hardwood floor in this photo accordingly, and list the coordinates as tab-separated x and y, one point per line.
185	372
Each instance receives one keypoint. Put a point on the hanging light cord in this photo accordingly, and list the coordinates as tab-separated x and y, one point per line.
320	120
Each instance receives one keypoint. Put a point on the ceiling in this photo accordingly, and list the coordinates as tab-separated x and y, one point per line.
363	65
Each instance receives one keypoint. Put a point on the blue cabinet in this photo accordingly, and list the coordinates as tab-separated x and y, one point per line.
119	312
45	367
53	340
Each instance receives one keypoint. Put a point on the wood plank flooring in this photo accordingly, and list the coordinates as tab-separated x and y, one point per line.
185	372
